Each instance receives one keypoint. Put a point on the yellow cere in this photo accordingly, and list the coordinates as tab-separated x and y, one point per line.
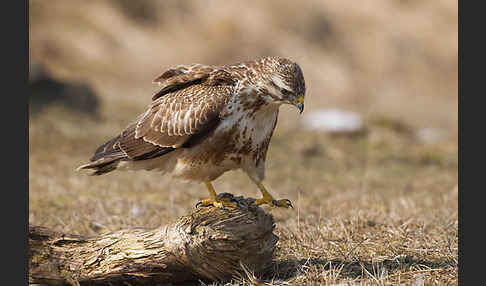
300	99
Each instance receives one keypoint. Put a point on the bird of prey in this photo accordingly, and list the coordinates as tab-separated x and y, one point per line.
207	120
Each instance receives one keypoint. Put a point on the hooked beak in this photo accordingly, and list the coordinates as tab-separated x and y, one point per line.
300	104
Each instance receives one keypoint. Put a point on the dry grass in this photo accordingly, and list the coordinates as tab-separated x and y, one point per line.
376	209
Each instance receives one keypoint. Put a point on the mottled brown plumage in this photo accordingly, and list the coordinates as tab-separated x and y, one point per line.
207	120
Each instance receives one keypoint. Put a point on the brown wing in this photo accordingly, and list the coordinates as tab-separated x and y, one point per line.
189	108
171	120
182	76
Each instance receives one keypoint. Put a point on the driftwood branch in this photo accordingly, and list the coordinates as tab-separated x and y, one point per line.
209	244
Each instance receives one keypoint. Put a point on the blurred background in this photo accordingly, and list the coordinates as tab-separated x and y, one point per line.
379	131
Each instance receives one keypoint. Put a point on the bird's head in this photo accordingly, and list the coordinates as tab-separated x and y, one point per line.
287	83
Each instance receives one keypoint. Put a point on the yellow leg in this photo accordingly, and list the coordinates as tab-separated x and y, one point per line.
269	200
212	192
215	200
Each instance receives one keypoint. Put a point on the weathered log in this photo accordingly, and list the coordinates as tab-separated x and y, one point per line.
210	244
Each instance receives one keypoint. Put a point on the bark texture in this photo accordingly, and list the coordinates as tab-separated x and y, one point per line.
208	244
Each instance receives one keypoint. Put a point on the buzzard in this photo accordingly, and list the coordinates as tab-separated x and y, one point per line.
207	120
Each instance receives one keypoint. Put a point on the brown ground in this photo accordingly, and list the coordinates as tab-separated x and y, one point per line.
376	209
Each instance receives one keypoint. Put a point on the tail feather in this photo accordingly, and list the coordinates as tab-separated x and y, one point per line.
101	166
105	158
110	149
124	147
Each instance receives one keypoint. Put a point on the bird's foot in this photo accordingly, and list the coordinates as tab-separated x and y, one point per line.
222	201
283	203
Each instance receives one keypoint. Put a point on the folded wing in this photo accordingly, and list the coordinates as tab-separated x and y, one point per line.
185	109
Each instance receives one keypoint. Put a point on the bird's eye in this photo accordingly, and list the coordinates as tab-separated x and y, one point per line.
285	92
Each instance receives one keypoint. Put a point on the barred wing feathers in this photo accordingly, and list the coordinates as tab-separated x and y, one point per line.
184	110
173	119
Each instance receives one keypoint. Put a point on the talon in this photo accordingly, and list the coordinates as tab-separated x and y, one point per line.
269	200
217	203
289	203
284	203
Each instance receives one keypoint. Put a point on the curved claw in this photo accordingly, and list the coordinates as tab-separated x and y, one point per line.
288	203
226	200
283	203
